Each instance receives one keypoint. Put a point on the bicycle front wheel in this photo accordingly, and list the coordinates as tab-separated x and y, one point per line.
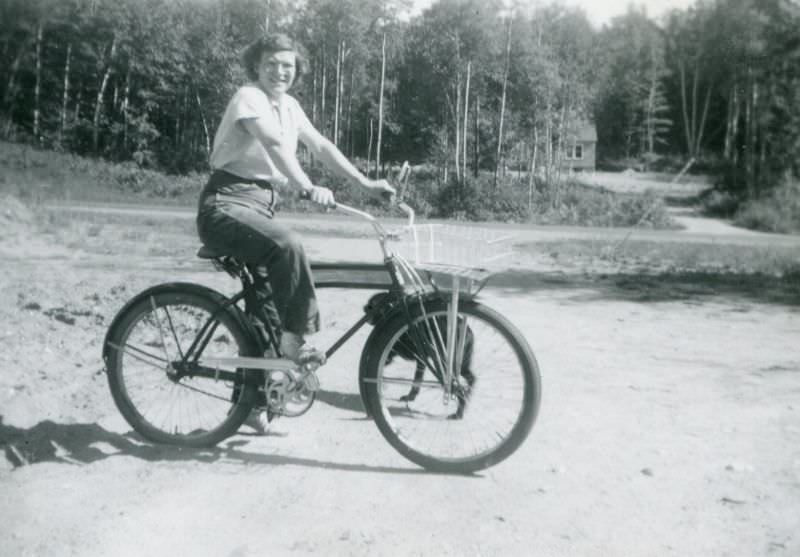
493	398
146	346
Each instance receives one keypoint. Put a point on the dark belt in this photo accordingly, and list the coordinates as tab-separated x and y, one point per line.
221	178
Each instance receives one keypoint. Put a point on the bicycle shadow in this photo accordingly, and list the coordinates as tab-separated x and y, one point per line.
343	401
85	443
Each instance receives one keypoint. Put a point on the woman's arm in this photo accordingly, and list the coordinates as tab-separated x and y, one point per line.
286	160
332	157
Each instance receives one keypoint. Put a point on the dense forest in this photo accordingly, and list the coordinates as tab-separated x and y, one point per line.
466	86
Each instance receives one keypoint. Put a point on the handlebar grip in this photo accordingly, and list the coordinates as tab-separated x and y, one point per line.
305	195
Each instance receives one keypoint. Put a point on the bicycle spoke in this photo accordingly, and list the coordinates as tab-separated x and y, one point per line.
140	355
159	326
487	384
174	334
201	391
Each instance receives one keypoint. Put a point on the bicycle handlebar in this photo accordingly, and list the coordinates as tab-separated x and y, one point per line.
363	214
401	180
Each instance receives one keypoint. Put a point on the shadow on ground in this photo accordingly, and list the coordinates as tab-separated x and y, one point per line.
77	444
343	401
647	287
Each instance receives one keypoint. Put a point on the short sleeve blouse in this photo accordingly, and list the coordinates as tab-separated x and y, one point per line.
238	152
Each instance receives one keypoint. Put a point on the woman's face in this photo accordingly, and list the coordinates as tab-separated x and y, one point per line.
276	72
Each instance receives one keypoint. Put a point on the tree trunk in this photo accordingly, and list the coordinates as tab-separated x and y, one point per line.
380	107
532	167
446	169
206	135
349	131
12	78
650	112
457	120
503	103
559	155
177	133
749	147
337	96
369	146
466	119
38	85
732	128
548	144
702	124
476	139
729	125
126	99
314	97
76	116
752	143
687	127
452	113
322	94
694	108
64	97
98	106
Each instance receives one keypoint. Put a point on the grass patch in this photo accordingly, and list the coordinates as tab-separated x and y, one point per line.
644	256
582	205
38	175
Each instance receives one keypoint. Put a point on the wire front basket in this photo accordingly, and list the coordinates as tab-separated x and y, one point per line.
448	250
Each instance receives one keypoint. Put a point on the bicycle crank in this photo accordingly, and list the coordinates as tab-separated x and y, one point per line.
291	397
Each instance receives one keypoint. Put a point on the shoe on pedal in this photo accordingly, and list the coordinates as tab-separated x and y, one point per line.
310	355
294	347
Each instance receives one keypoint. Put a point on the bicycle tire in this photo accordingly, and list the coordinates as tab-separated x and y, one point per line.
383	381
178	312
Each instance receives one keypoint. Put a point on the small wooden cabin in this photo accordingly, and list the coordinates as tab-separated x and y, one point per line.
580	146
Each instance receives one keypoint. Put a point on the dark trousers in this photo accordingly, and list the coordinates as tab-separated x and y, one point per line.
235	217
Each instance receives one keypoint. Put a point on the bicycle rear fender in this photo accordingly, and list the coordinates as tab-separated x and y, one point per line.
182	288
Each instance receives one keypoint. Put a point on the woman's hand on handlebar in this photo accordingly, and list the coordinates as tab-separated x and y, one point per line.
320	195
381	189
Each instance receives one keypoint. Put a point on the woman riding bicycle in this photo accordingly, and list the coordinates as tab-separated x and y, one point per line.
255	147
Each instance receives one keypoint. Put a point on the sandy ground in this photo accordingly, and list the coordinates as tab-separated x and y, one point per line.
669	426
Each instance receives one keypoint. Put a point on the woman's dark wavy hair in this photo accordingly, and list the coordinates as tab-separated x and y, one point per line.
273	42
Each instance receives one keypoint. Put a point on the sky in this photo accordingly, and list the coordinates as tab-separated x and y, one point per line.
601	11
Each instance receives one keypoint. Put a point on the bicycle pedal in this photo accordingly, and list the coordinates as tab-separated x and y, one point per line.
311	382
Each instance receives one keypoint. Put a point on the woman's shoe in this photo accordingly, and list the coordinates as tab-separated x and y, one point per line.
258	420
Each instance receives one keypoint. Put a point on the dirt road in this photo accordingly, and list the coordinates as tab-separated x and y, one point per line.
669	426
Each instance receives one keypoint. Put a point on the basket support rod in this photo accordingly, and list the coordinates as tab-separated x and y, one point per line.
452	325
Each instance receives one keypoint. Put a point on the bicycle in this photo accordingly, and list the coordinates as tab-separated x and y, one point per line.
450	383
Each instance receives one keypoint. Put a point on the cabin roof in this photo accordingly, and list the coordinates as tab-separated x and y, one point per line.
582	130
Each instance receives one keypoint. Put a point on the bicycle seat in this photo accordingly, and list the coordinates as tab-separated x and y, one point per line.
206	252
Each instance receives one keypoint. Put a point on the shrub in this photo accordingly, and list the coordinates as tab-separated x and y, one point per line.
779	211
581	205
718	203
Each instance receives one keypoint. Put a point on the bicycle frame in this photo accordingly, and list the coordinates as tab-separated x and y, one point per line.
404	282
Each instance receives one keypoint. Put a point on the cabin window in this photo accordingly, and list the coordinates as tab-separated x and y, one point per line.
575	152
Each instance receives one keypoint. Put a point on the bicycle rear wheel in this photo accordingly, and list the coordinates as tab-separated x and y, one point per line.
495	387
146	346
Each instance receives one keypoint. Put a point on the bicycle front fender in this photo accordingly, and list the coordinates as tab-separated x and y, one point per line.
387	320
181	288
